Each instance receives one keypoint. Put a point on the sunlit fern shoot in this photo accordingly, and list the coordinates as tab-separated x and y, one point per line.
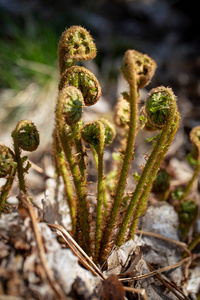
25	137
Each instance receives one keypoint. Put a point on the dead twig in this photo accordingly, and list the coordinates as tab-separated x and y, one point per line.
48	272
155	272
171	286
165	282
36	167
164	238
78	251
137	291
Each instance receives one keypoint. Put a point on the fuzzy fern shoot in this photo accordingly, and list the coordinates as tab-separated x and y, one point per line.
25	137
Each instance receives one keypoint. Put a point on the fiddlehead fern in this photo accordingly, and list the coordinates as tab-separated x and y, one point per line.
144	70
88	85
158	107
6	160
75	44
187	212
158	99
91	133
66	146
122	113
75	83
25	137
85	81
94	134
109	133
7	170
137	75
72	112
98	134
72	105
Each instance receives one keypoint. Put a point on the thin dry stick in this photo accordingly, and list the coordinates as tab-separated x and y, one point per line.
49	274
171	286
165	282
164	238
80	257
36	167
186	272
183	261
137	291
84	258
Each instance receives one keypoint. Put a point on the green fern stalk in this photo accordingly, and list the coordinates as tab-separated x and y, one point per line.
192	180
26	137
105	202
94	134
100	186
160	148
76	44
142	201
80	186
20	171
6	188
98	134
134	74
127	157
63	171
8	167
80	152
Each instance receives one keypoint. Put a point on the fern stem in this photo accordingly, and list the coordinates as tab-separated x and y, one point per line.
191	182
194	242
6	188
80	185
109	227
105	202
79	149
142	201
25	137
99	189
147	174
63	171
20	171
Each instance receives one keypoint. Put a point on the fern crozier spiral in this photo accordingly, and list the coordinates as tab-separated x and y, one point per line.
6	160
72	104
75	44
158	106
27	135
85	81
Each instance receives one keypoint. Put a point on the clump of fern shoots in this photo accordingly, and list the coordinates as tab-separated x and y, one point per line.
78	88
